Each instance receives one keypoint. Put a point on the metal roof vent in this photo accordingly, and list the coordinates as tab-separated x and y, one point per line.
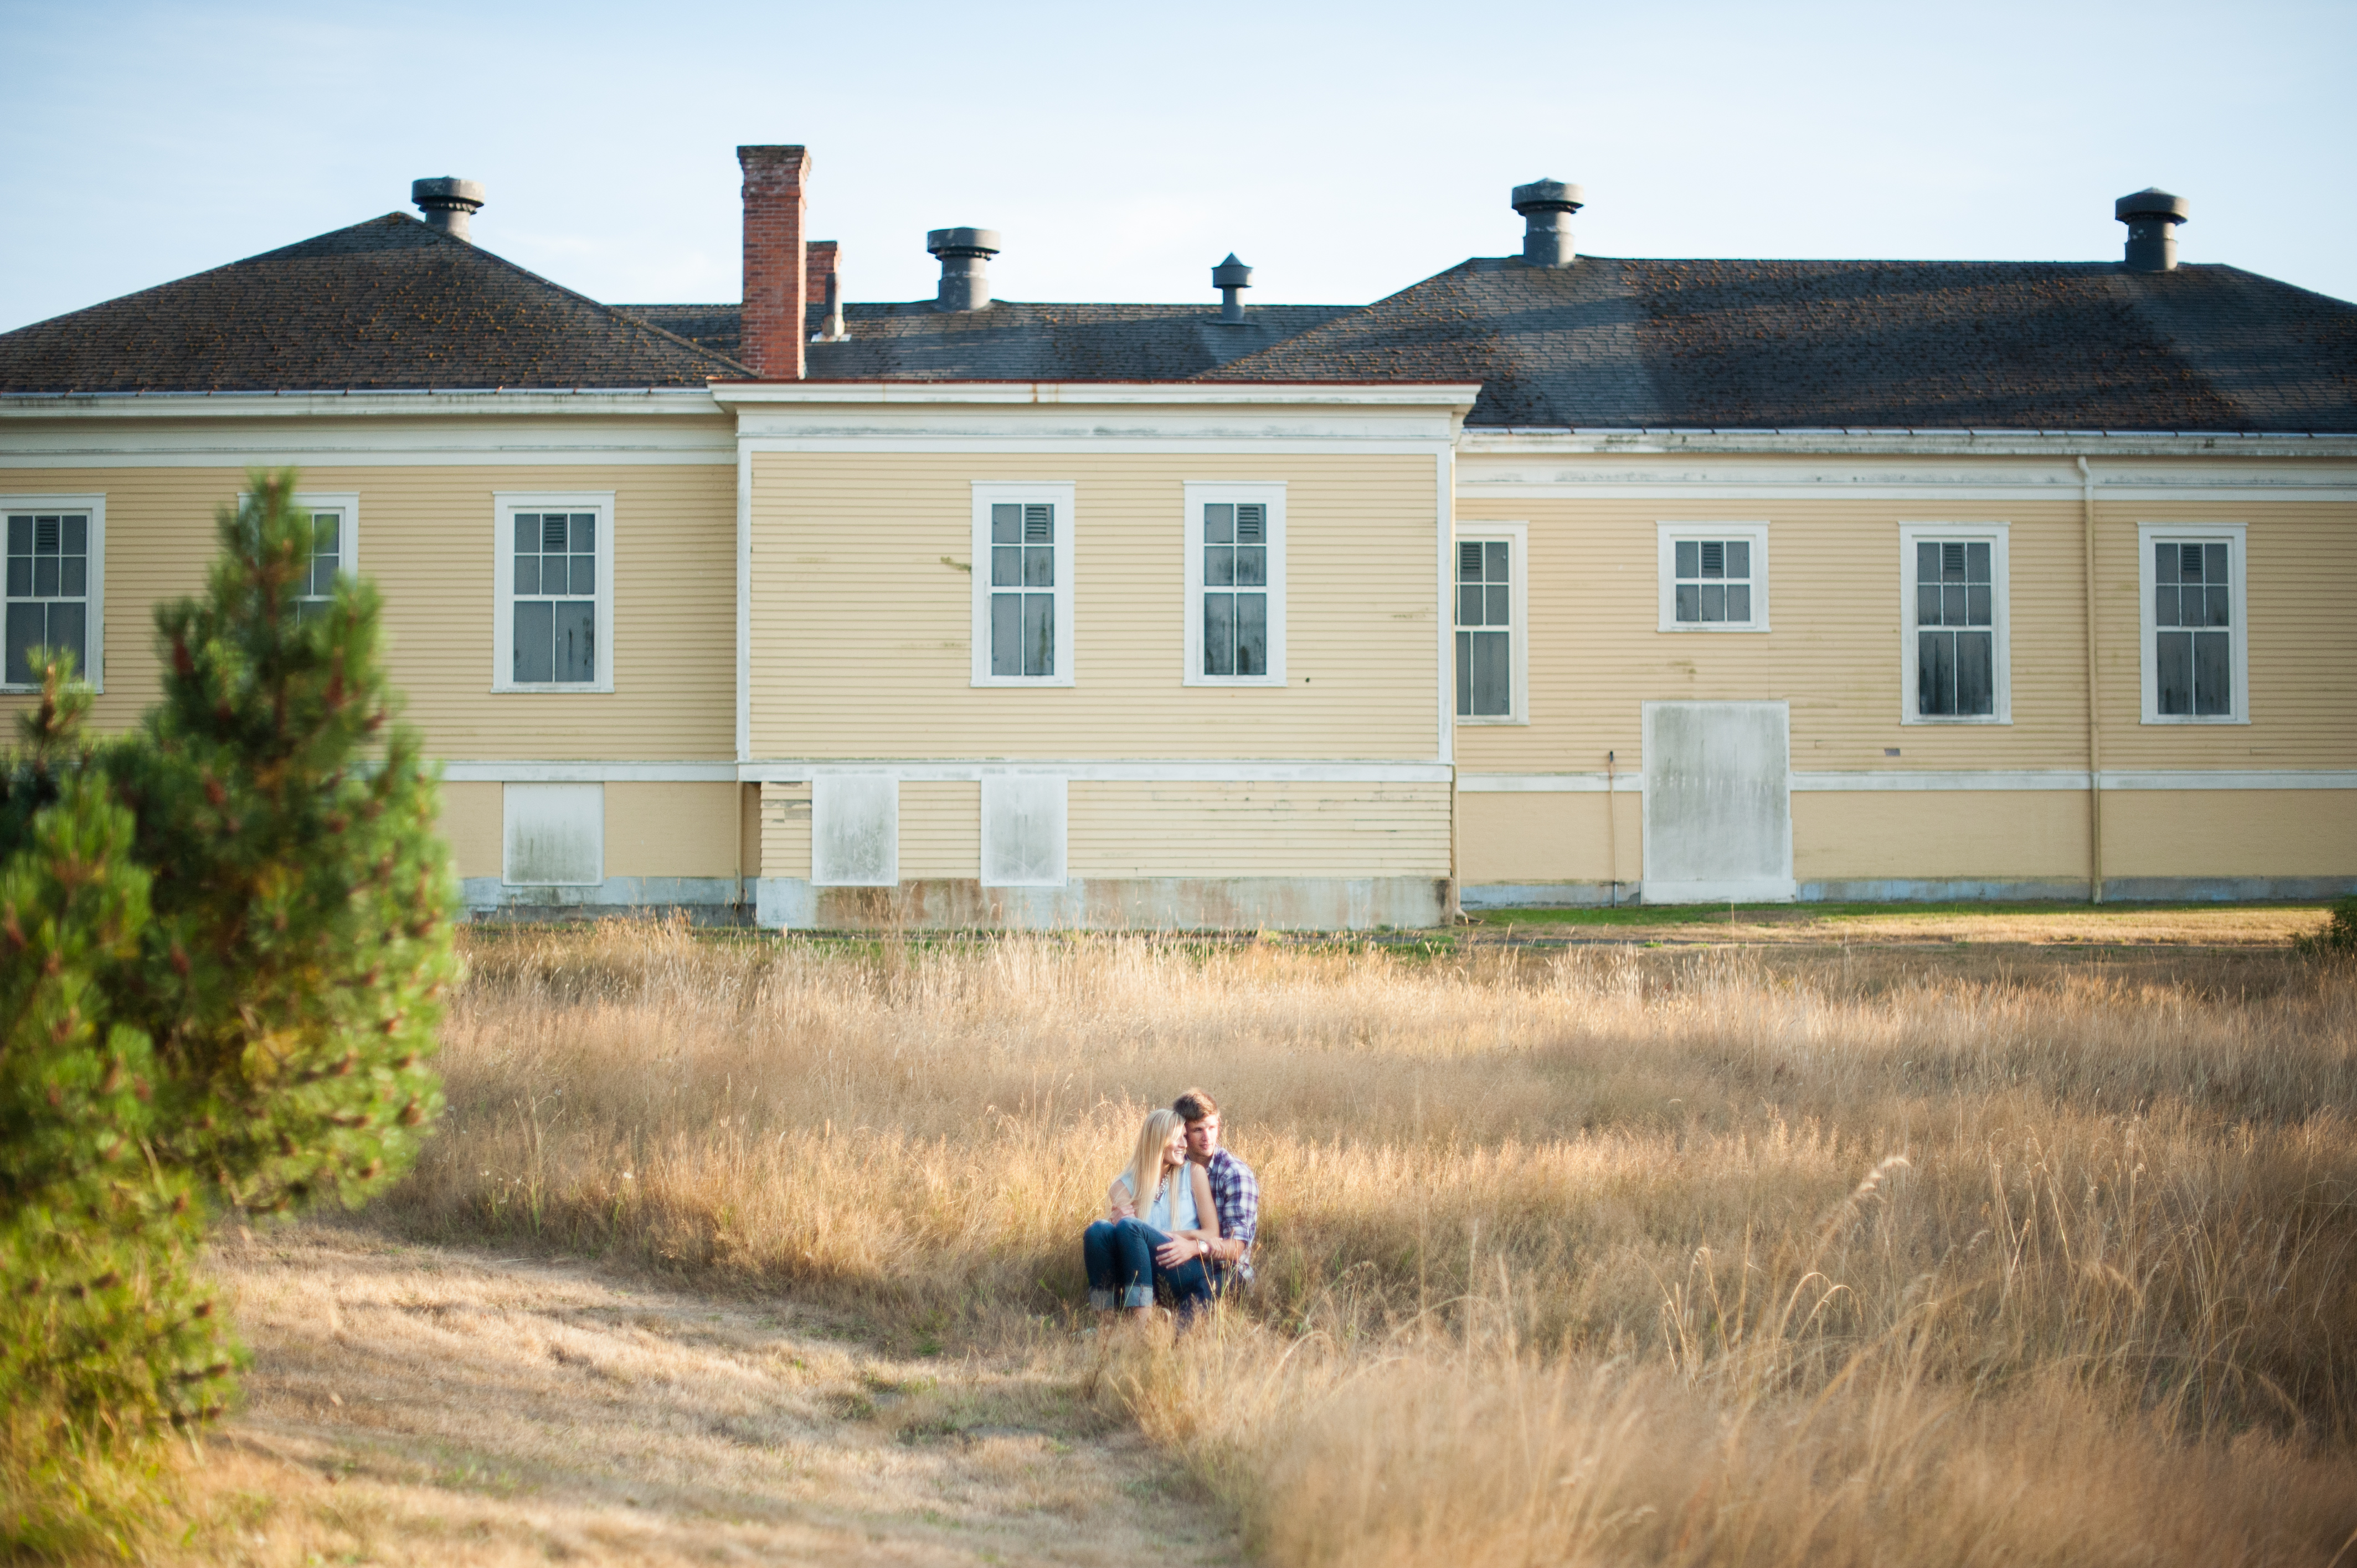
1231	277
1547	206
2152	216
448	203
965	259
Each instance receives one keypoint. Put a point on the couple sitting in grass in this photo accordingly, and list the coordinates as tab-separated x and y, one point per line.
1178	1222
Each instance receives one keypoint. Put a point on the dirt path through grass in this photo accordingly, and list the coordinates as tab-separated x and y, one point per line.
416	1404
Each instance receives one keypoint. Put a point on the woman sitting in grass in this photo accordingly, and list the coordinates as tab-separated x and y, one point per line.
1161	1239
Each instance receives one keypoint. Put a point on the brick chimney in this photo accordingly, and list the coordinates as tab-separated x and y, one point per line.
777	287
825	284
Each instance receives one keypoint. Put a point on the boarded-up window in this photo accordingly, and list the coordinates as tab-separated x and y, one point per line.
855	829
1023	831
49	590
554	834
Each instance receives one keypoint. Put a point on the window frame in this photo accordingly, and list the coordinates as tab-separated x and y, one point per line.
1517	537
1997	537
505	504
993	492
2233	536
1200	493
347	504
94	623
1669	535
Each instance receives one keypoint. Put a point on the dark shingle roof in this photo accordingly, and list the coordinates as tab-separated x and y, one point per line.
390	303
1014	342
1623	344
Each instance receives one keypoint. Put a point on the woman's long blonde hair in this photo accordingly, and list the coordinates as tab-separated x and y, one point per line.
1145	1174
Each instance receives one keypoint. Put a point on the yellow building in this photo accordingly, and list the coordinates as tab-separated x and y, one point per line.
1550	579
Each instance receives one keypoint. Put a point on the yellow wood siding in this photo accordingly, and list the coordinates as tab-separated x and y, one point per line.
1834	652
2230	833
785	830
1880	835
748	828
863	611
471	825
1125	829
1535	837
2303	641
670	830
940	829
427	538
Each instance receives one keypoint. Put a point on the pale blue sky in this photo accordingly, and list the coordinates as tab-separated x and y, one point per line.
1345	151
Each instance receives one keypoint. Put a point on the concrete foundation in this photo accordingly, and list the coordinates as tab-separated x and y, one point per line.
1155	903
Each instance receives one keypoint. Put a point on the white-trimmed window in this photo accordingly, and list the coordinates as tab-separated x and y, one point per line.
1023	583
555	583
1492	621
1954	609
2196	633
334	547
1236	583
56	560
1713	576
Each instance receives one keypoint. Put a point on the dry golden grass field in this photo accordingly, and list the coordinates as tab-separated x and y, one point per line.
1842	1252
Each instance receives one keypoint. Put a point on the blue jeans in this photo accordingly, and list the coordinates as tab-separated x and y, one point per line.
1121	1271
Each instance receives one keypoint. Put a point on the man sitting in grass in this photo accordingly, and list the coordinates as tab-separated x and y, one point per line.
1235	1193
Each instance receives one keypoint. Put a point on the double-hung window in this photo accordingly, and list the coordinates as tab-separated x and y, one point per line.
1235	585
1712	577
1490	604
52	601
334	549
2195	665
555	592
1022	584
1954	601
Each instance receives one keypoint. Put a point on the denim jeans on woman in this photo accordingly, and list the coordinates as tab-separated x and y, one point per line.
1121	1271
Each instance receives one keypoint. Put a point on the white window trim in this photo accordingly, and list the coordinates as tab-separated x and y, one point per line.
1996	535
986	494
348	536
1667	535
1517	536
505	504
1268	493
94	670
2151	533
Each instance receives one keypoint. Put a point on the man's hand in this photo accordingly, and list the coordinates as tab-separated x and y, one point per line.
1180	1250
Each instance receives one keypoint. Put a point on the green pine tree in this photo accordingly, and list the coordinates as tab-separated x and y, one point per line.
223	942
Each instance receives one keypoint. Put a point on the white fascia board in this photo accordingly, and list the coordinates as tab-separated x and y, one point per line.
671	401
473	772
490	439
2062	444
1101	394
930	770
1926	779
1508	480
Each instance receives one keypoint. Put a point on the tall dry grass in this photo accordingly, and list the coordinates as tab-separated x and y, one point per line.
1610	1256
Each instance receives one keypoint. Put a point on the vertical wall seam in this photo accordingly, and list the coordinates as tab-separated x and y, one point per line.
744	602
2094	695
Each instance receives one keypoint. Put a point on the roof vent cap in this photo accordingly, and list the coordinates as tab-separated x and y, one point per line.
1547	206
2152	216
448	203
965	259
1231	277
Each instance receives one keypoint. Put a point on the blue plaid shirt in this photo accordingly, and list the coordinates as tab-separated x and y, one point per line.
1235	1193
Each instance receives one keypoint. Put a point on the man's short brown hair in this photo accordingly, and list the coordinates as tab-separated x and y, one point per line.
1194	1105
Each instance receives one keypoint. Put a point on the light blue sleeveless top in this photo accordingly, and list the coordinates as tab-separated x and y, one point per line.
1174	1211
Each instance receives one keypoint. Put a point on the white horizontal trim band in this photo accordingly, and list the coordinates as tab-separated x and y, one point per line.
691	401
2042	442
1224	772
1513	491
1085	393
475	772
1240	442
2062	779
